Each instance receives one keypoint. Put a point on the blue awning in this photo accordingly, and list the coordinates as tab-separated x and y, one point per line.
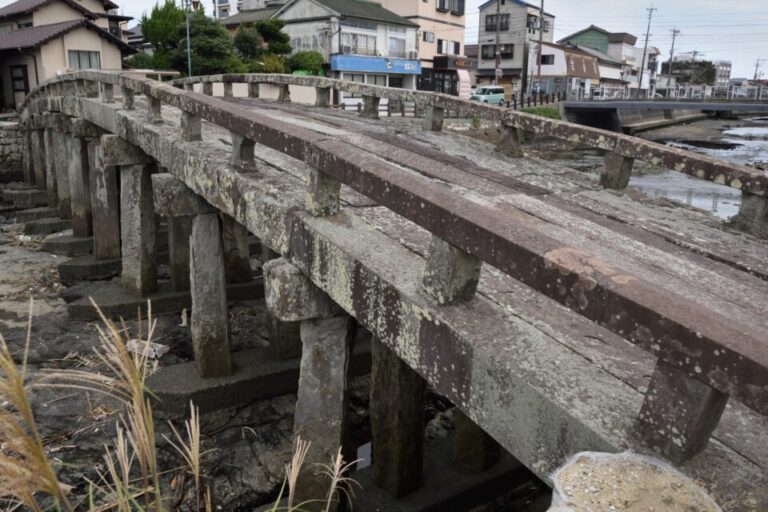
365	64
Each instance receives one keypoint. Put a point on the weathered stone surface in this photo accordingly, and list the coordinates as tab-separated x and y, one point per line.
80	187
370	107
210	317
433	119
42	212
191	127
283	94
322	97
68	245
138	230
510	141
242	153
88	268
50	169
116	151
397	422
253	90
38	158
173	199
679	413
237	257
46	226
617	170
61	149
451	275
154	110
323	194
291	297
179	232
473	448
105	202
753	215
321	406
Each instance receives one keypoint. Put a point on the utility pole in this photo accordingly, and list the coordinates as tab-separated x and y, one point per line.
675	33
757	68
497	71
693	66
541	39
650	10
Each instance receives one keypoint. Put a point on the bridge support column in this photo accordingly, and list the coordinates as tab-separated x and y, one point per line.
510	141
753	215
138	230
679	413
61	146
50	169
284	336
253	89
179	233
323	97
228	90
80	181
398	398
433	119
28	165
327	336
236	250
370	107
617	170
105	200
207	276
283	93
208	88
38	158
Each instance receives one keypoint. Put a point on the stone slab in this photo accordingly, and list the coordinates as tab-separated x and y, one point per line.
46	226
42	212
68	245
115	302
257	376
26	198
88	268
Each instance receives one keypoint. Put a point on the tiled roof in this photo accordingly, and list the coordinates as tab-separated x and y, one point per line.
364	10
37	36
28	6
249	16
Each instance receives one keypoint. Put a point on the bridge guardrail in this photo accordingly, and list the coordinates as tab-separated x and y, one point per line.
681	334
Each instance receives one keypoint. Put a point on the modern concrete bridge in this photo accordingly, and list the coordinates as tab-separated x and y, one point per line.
558	314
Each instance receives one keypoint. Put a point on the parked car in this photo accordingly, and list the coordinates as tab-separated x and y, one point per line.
493	95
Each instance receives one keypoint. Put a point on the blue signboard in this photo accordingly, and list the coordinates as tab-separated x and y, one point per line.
364	64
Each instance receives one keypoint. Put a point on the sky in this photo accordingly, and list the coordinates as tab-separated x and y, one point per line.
735	30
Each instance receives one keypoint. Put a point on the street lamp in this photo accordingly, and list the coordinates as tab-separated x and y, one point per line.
195	4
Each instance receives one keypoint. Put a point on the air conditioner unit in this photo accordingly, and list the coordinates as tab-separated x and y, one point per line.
346	50
412	55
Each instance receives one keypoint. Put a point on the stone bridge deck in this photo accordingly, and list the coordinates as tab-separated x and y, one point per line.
600	322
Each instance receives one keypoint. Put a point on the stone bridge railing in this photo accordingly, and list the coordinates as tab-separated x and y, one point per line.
427	314
621	151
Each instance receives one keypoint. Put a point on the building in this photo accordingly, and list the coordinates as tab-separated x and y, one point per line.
611	70
620	47
41	38
517	26
444	66
360	41
223	9
563	69
723	72
245	17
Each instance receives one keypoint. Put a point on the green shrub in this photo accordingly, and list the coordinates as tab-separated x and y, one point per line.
548	111
311	61
140	60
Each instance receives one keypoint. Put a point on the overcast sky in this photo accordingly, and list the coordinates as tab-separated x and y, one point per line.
735	30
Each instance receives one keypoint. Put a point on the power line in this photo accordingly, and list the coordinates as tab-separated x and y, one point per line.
675	33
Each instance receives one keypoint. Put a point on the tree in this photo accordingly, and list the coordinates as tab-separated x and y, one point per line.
698	73
140	60
311	61
212	48
277	41
161	27
248	42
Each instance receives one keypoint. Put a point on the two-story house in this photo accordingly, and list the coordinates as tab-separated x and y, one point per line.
40	38
563	69
361	41
444	68
516	24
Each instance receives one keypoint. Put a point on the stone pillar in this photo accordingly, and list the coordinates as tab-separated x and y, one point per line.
210	316
208	88
236	250
154	110
61	147
28	162
242	153
370	107
753	215
284	93
433	118
107	93
228	90
105	201
510	141
189	87
128	99
323	97
50	169
327	336
179	232
253	90
80	187
38	158
284	336
397	422
617	170
679	413
138	229
191	127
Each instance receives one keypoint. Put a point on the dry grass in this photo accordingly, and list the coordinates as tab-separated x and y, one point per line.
132	480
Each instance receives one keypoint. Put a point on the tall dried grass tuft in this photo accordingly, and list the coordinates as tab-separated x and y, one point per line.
25	469
190	449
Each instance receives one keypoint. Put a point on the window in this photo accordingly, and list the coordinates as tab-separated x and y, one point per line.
457	7
491	19
358	44
532	23
442	5
429	37
19	79
25	24
547	60
352	77
114	29
396	81
378	80
396	47
456	48
489	51
82	59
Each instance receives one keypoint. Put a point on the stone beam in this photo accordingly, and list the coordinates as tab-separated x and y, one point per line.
174	199
291	297
118	152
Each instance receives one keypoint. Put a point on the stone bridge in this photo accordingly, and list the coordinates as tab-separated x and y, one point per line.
557	313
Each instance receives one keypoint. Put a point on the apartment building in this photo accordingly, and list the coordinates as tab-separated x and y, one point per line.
361	41
517	24
40	38
444	67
